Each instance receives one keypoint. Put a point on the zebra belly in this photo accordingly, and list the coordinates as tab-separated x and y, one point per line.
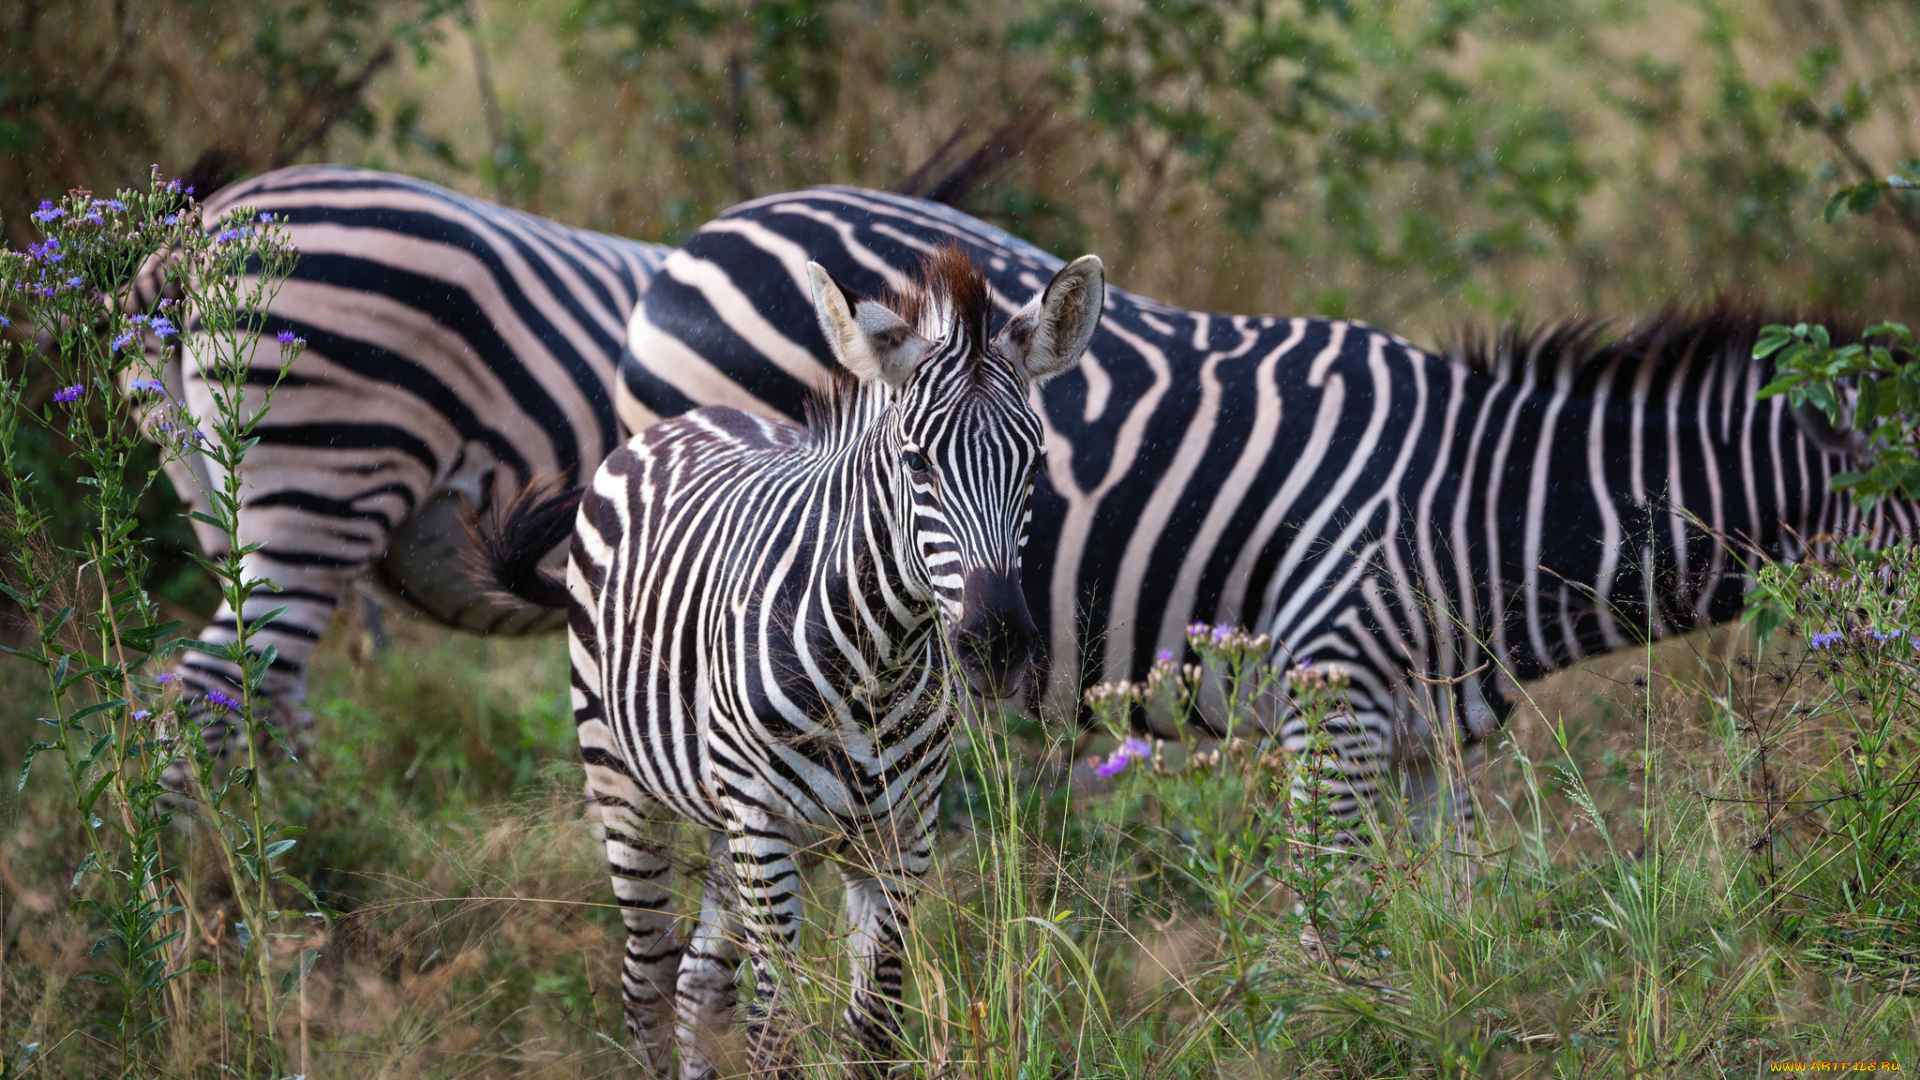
426	565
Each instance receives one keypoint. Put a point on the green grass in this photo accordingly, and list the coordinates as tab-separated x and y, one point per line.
1616	919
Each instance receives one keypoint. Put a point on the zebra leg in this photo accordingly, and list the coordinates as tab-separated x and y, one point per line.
1439	791
878	905
767	880
316	519
704	997
636	836
309	593
1353	752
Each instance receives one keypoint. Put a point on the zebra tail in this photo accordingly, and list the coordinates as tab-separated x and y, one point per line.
508	548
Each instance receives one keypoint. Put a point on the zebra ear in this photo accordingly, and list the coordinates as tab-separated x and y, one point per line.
1049	335
867	339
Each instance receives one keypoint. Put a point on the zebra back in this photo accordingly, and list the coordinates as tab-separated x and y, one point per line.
1466	517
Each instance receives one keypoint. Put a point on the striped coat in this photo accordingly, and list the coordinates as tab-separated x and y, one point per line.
765	618
455	350
1474	518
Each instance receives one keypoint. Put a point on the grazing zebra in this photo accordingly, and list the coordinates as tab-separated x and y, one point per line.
1441	526
761	620
455	350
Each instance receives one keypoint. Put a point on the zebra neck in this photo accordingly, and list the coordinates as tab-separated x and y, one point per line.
871	617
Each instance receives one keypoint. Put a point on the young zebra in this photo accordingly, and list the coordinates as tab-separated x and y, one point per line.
761	622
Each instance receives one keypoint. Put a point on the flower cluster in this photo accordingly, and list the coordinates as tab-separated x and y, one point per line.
221	700
183	432
288	339
69	393
1129	751
1823	642
146	386
1113	693
1233	642
47	213
1327	678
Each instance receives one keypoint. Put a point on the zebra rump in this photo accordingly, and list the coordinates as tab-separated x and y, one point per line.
456	350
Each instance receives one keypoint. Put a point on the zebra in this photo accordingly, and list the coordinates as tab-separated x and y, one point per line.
455	350
1441	526
763	619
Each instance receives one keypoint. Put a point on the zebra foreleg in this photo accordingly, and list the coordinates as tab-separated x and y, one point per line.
767	880
704	996
878	906
1342	761
636	842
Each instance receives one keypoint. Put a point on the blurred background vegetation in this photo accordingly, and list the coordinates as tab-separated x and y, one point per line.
1415	165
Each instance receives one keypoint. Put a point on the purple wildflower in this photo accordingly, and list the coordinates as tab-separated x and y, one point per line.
140	715
226	236
162	327
1821	641
93	218
5	322
167	678
1197	629
266	219
1221	633
173	187
74	282
47	212
147	386
122	341
1123	756
116	206
171	219
1304	662
70	393
47	252
289	338
1164	656
222	700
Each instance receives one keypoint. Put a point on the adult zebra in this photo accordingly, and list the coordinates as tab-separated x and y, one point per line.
455	350
753	609
1441	526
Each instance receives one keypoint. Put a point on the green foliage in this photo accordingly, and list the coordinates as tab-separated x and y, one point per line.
95	629
1871	386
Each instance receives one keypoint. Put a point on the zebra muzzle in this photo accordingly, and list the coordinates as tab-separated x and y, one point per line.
996	633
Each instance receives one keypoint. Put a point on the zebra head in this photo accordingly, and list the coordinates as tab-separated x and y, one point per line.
959	442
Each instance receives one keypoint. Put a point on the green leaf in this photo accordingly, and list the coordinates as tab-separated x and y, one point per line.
33	752
91	862
1868	403
93	794
98	707
48	632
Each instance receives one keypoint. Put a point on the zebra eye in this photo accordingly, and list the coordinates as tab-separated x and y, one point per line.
914	461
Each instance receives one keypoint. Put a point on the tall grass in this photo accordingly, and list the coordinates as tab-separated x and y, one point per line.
1672	878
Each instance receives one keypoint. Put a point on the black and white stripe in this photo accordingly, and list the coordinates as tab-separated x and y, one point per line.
764	619
455	350
1473	519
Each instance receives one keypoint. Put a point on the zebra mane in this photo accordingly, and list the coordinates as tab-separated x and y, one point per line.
1723	327
946	296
